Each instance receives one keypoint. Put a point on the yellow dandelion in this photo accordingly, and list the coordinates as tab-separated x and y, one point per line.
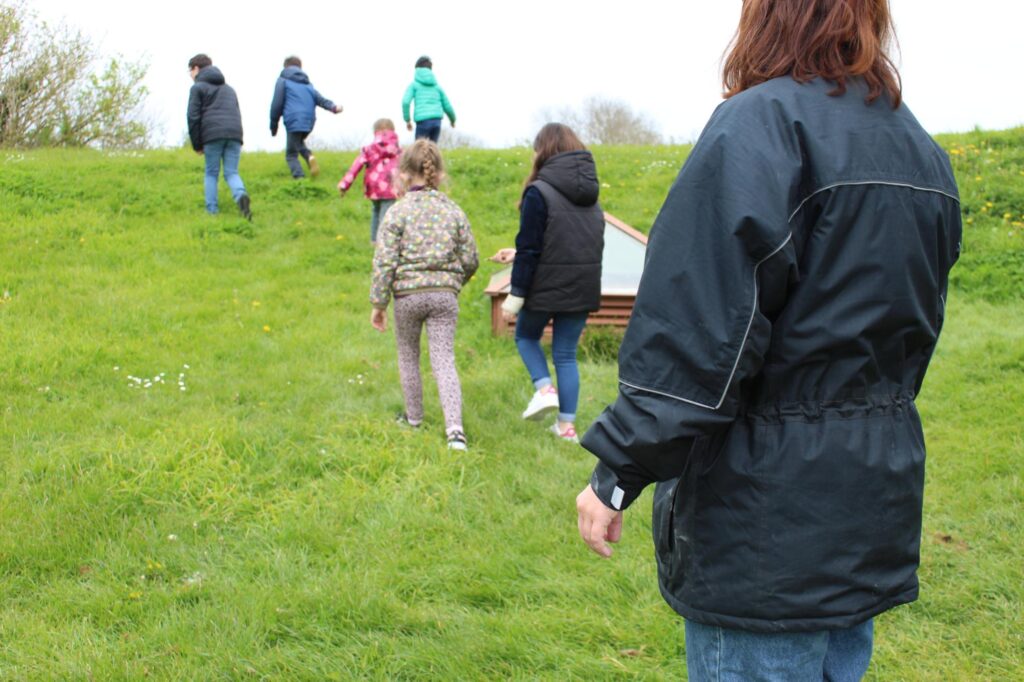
340	237
266	328
1007	216
984	209
989	204
970	221
255	304
977	178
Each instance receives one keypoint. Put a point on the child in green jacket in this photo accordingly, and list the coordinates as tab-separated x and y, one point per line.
429	102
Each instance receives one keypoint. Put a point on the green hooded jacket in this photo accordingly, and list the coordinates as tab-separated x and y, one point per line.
430	100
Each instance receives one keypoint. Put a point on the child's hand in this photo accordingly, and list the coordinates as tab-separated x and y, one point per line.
337	108
379	319
341	190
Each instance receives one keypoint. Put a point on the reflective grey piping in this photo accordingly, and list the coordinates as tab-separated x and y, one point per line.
753	309
869	182
667	395
739	354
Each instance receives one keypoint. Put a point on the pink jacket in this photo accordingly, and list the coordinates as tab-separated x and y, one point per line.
381	159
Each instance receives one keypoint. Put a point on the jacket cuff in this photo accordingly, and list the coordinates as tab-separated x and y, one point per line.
513	304
612	492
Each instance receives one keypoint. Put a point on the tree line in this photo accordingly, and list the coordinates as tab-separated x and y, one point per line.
57	90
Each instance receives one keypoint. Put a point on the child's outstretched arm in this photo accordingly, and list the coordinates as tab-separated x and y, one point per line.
407	98
447	106
467	251
277	106
325	103
385	260
350	177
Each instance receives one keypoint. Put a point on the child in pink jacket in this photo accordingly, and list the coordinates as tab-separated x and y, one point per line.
381	160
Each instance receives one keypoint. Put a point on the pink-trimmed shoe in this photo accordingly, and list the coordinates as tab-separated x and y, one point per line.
568	435
543	403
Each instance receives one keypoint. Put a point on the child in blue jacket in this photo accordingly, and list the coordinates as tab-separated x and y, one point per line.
296	100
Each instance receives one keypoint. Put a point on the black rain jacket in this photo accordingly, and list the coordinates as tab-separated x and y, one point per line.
213	112
793	294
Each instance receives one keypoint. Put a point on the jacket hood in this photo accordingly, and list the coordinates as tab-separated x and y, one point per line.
384	146
295	74
574	175
425	76
211	75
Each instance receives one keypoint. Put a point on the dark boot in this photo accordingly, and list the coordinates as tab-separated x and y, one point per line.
243	206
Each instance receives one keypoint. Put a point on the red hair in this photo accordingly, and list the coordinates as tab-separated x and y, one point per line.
831	39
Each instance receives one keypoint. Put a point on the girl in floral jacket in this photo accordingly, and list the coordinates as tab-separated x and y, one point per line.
425	254
380	158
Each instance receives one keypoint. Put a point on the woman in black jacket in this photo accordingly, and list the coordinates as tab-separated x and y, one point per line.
793	295
556	276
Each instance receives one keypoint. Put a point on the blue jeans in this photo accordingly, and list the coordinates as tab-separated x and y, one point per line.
380	207
430	129
715	654
229	152
567	328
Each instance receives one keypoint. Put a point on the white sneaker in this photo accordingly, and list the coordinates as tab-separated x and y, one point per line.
543	403
568	435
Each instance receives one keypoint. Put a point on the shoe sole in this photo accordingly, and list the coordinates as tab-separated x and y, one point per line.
541	413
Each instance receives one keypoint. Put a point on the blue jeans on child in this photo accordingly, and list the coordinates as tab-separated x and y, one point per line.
430	129
380	207
567	328
715	654
215	152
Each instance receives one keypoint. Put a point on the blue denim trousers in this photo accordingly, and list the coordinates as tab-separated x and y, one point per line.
380	207
715	654
215	153
430	129
566	330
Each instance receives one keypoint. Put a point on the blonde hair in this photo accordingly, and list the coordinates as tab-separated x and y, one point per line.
383	124
423	158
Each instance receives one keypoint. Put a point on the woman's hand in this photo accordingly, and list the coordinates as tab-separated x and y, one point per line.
504	256
598	524
379	319
408	126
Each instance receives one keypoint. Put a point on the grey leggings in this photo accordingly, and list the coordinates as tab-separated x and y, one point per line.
439	310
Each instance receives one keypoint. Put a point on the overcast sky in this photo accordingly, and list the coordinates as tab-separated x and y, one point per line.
503	64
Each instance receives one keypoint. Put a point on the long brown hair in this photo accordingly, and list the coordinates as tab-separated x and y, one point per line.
804	39
553	138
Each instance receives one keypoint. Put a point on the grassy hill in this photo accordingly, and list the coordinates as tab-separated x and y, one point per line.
254	514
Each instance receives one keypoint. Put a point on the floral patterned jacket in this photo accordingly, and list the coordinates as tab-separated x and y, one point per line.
424	243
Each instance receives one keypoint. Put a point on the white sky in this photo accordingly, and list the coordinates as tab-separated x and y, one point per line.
503	63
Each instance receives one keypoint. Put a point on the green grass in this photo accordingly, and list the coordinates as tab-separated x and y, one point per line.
271	523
